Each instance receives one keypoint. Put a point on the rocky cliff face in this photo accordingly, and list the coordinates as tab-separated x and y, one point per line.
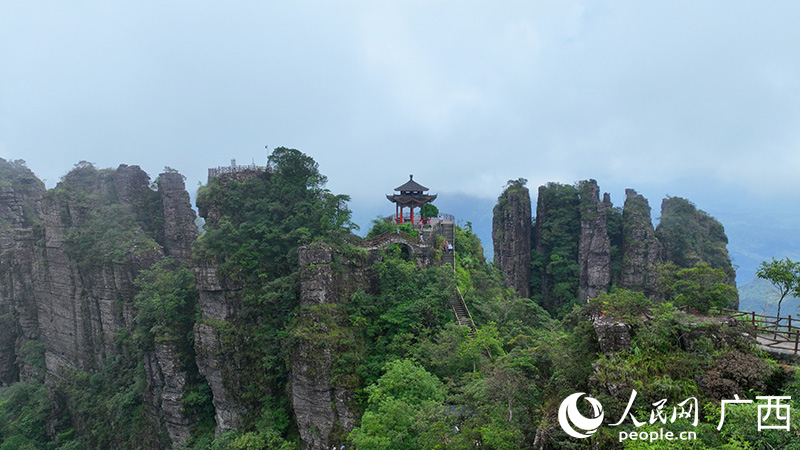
321	402
220	300
69	258
20	230
165	365
218	303
594	250
84	290
511	236
640	248
166	387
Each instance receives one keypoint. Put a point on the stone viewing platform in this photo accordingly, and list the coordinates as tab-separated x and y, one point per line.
236	172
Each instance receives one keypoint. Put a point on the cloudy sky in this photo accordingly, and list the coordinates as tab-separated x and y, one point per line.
698	99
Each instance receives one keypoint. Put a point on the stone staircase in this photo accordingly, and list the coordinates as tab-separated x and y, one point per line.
460	310
463	317
449	234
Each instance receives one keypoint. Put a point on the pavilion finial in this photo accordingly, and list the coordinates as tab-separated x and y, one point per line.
411	176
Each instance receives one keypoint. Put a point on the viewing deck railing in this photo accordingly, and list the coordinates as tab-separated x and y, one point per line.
773	331
217	171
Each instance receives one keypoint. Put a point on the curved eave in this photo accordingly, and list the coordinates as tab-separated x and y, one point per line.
415	200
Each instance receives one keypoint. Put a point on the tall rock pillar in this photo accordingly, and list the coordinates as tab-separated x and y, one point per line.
511	236
594	249
180	231
321	399
641	250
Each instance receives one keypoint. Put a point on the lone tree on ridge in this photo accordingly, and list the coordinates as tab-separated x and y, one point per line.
784	274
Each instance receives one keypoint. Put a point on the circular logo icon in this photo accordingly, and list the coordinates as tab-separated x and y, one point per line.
570	418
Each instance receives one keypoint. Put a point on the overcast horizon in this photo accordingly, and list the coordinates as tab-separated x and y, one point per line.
691	99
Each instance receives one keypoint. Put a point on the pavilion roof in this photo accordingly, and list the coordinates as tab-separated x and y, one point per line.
411	185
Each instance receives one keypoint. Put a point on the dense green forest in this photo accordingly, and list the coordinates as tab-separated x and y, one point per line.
414	378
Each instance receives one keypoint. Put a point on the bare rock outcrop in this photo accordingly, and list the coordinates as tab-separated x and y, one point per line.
180	230
218	303
612	335
20	230
594	249
165	391
641	250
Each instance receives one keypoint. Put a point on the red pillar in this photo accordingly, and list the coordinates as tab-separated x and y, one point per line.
401	214
412	214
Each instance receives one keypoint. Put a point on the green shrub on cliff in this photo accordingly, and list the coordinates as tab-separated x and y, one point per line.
699	288
103	230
